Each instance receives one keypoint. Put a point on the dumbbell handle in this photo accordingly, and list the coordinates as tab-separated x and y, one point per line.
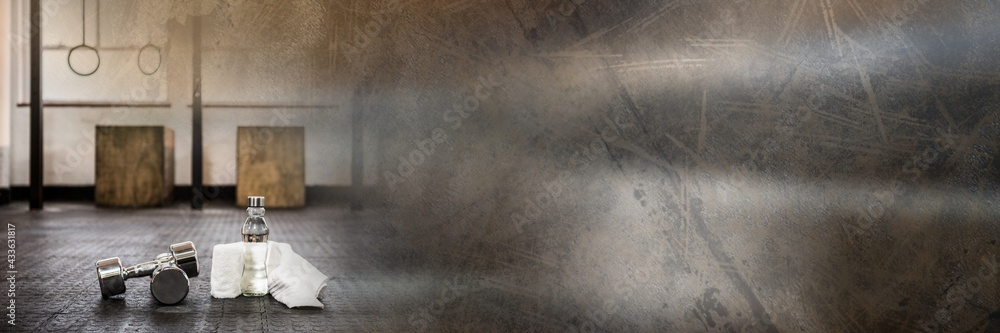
111	275
147	268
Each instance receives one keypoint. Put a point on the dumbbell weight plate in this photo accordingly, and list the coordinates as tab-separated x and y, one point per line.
186	257
169	285
110	277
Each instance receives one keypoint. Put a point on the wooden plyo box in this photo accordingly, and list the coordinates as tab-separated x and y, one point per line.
134	166
270	162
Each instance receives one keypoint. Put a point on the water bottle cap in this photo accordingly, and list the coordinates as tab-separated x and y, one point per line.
253	201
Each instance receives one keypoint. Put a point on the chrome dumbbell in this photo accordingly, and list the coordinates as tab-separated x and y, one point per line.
169	273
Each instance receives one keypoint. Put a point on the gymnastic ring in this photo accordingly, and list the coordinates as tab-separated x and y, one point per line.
85	46
159	60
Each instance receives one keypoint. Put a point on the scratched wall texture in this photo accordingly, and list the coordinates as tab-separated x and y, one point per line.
732	166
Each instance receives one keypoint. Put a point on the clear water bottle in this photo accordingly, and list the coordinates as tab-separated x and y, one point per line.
254	281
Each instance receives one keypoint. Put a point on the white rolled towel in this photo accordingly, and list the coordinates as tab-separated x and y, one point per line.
291	279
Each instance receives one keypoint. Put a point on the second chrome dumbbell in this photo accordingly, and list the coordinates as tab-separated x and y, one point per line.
169	273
